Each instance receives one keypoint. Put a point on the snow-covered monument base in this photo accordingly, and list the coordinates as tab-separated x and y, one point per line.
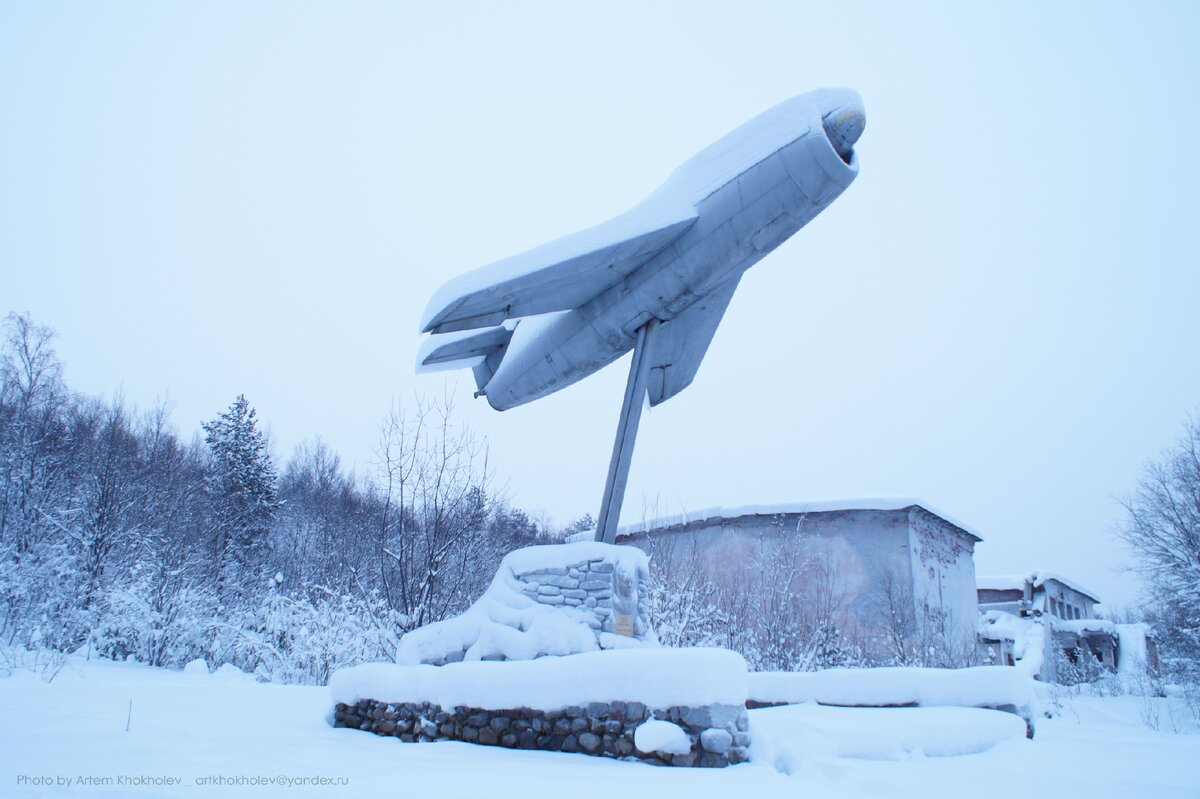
559	655
559	599
676	707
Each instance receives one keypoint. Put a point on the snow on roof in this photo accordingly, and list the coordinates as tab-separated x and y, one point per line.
1080	626
818	506
1038	577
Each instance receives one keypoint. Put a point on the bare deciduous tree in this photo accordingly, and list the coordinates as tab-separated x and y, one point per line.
1162	527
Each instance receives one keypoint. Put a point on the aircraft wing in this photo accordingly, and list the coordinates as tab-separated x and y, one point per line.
560	275
679	346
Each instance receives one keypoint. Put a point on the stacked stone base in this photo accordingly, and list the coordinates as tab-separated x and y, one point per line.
719	733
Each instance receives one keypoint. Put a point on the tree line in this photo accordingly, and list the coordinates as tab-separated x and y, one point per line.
122	539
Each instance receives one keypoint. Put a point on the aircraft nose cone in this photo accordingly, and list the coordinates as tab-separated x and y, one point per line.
843	126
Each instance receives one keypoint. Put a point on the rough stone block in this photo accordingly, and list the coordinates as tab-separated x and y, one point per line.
717	741
724	716
589	742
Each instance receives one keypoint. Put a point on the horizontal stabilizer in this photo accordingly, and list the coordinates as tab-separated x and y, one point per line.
679	345
457	351
560	275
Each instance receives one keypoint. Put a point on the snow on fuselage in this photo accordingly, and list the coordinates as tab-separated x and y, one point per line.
753	189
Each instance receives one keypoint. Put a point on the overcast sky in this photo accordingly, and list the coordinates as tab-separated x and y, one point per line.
1000	316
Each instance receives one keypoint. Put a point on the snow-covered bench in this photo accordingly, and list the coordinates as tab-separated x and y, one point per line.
997	687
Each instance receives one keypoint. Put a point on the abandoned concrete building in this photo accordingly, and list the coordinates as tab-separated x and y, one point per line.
1051	622
882	570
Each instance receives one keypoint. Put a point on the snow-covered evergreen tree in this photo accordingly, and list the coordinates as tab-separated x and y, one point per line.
241	486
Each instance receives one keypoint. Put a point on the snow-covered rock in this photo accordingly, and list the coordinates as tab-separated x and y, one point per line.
662	736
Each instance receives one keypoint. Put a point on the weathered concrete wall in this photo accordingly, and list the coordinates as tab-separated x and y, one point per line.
719	733
943	564
1063	595
860	555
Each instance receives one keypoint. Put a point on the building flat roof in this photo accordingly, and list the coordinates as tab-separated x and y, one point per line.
776	509
1038	577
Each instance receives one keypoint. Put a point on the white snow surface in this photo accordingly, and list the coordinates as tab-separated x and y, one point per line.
1027	634
506	623
1037	577
1078	626
1131	665
772	509
548	556
980	686
789	737
658	677
662	736
192	729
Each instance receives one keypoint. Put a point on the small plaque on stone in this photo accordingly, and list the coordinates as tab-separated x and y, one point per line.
623	624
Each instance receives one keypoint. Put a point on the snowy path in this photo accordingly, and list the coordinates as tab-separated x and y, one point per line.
189	727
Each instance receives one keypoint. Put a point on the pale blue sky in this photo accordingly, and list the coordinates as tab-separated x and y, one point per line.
999	316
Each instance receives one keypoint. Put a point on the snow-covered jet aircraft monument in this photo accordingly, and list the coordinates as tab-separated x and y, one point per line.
656	279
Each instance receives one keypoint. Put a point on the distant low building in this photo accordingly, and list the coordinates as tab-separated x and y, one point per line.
891	573
1049	623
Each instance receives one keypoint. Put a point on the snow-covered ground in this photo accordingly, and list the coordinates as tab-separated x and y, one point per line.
193	727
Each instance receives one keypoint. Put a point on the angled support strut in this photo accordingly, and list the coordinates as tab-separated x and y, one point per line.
627	427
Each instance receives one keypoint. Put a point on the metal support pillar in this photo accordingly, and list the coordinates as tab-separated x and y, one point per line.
627	427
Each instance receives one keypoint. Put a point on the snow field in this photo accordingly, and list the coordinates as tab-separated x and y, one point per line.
194	726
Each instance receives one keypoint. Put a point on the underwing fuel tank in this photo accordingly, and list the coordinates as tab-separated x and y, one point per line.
539	321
